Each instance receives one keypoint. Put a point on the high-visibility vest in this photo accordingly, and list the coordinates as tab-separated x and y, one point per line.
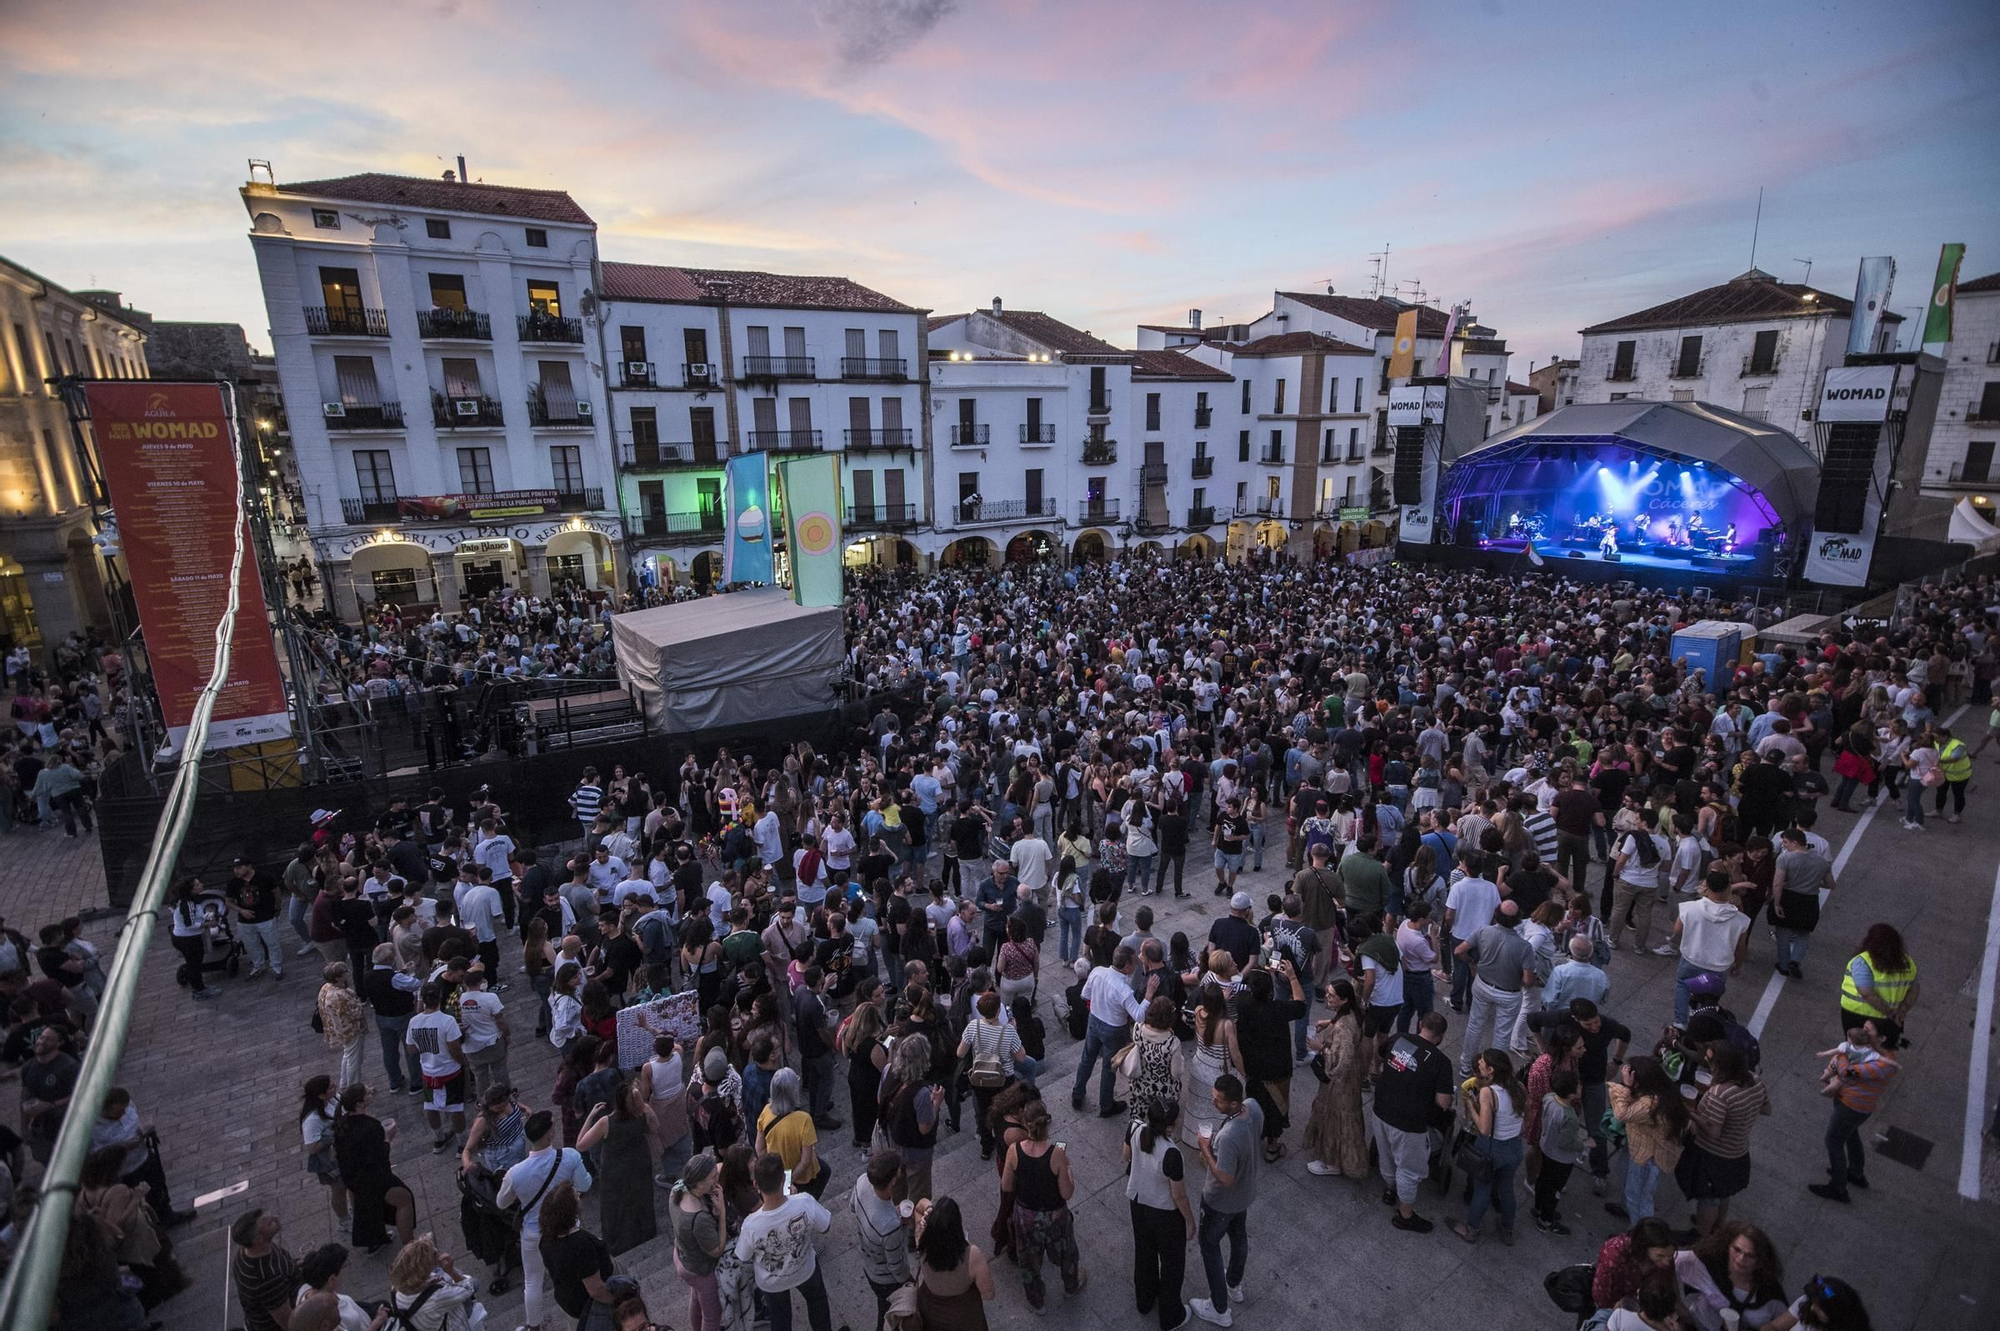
1955	761
1890	986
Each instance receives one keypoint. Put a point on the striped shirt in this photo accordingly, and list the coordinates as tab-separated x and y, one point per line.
587	800
1724	1116
1862	1080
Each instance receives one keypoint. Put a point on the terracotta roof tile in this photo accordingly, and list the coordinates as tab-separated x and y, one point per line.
1990	282
536	205
1522	390
1299	344
1175	365
1751	297
1047	330
1375	312
661	282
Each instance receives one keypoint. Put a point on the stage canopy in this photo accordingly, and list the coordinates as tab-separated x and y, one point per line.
1765	457
731	660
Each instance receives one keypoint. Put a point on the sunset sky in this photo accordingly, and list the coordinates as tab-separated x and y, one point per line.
1110	161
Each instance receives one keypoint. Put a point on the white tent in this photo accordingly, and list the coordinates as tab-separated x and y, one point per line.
1970	526
730	660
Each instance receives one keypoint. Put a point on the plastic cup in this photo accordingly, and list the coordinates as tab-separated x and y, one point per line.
1207	1131
906	1209
1731	1319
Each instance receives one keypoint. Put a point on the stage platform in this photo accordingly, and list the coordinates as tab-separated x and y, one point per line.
1551	552
1509	559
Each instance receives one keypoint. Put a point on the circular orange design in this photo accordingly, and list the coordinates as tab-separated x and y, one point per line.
816	533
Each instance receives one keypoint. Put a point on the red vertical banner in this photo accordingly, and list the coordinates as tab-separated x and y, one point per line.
170	463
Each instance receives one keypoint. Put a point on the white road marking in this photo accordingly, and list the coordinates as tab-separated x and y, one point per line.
1769	1002
222	1194
1982	1050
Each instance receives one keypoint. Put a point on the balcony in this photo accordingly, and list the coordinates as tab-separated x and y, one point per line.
870	367
1201	515
1271	506
705	525
579	501
1685	368
1271	457
783	441
974	512
778	367
1100	406
1383	448
357	511
346	321
636	374
442	323
1203	466
1494	394
557	412
1202	416
876	441
1038	435
1622	374
701	374
971	436
1152	473
881	517
539	327
1985	411
1980	476
1099	452
1754	367
653	456
358	416
1091	512
1485	346
465	413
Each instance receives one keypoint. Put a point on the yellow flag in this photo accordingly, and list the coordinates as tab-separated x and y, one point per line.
1403	360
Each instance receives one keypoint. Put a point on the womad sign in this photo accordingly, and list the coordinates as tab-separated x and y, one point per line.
1855	398
1839	560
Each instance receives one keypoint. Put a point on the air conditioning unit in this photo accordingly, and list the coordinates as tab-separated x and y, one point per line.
698	370
583	410
334	410
638	369
465	406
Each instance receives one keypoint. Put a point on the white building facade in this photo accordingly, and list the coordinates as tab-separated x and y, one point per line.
437	349
1959	461
1752	344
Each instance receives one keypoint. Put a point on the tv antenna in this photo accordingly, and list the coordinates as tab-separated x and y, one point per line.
1805	281
1326	282
1379	279
1756	224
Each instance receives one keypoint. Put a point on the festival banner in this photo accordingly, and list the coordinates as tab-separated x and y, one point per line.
477	507
1403	357
811	488
1872	285
746	546
1444	352
1937	319
169	459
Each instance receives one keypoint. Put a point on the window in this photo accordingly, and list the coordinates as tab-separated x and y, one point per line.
566	465
1152	411
1622	360
1683	394
538	238
1276	451
694	345
395	586
1326	451
632	343
355	378
795	344
1978	461
1764	352
55	360
1278	399
1100	402
1357	394
475	471
461	377
69	350
340	291
1246	397
557	392
24	347
437	228
1243	439
544	298
448	292
1035	493
646	427
1688	364
892	419
375	475
1989	402
326	219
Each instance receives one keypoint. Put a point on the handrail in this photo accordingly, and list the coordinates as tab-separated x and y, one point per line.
27	1299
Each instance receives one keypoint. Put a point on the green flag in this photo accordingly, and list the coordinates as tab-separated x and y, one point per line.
812	527
1937	319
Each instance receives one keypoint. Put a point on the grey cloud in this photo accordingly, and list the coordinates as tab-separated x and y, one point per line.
868	32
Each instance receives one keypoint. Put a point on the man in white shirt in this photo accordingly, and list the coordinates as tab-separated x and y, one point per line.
718	905
1714	936
637	885
606	871
1113	1009
809	872
435	1036
484	1034
1683	875
479	909
778	1239
495	850
1468	908
1032	858
529	1183
837	842
770	837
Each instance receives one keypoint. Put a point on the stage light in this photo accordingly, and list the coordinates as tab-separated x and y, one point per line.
1604	471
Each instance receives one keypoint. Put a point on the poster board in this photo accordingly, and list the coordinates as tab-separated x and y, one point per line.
678	1015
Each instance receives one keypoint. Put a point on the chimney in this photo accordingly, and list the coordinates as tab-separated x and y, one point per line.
463	179
1194	319
996	307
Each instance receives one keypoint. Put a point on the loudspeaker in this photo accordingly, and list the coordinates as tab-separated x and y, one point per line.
1612	558
1409	464
1846	476
1577	554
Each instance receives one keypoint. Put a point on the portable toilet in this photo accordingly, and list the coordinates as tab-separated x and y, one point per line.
1713	646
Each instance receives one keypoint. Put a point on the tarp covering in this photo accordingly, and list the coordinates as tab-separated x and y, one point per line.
1771	460
730	660
1971	526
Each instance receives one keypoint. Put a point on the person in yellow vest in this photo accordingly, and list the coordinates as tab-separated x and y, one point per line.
1880	984
1956	764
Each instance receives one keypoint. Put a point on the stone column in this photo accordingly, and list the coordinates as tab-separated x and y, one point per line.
445	569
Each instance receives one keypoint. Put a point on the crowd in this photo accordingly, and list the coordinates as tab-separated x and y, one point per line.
1479	790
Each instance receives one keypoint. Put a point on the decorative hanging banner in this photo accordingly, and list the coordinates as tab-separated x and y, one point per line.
746	548
811	488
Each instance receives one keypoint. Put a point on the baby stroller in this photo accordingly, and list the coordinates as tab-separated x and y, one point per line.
221	949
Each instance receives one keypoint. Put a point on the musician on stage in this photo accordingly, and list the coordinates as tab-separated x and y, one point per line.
1675	536
1607	544
1729	540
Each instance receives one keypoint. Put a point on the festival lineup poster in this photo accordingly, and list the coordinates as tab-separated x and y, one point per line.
678	1015
169	459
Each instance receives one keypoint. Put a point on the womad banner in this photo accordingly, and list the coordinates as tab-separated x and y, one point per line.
746	548
169	459
812	527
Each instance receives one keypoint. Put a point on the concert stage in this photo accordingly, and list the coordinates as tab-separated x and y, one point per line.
1664	488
